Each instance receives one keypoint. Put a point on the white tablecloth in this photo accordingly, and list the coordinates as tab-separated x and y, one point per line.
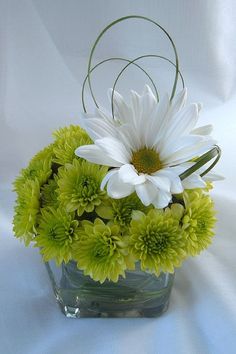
43	49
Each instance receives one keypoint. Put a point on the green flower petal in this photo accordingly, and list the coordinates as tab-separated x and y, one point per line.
67	140
49	196
198	221
27	211
40	169
102	251
79	186
120	210
57	232
157	240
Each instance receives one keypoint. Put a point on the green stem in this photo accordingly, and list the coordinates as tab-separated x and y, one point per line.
201	161
133	62
110	59
127	18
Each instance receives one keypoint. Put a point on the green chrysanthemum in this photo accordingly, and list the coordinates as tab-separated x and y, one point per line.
68	131
102	251
27	211
49	196
198	221
67	140
157	240
120	210
57	232
79	186
40	168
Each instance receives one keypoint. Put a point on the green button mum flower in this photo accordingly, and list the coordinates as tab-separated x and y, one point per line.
102	251
57	232
27	211
39	168
157	240
79	186
120	210
198	221
49	196
67	140
68	132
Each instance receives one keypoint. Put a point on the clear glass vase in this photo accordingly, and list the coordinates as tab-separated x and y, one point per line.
140	294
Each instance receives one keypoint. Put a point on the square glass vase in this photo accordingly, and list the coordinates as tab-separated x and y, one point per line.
139	294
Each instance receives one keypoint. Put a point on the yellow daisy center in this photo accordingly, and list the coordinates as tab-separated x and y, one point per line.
146	160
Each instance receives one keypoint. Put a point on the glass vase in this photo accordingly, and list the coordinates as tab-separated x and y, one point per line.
140	294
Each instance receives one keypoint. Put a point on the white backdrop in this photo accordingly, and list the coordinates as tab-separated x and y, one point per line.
44	48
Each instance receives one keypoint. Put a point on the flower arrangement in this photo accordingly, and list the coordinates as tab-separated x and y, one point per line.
122	188
72	206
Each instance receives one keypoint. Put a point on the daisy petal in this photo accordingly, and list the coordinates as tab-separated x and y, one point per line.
169	115
121	109
189	147
177	170
174	180
128	174
84	116
176	186
149	102
162	200
104	114
204	130
98	128
181	124
159	122
211	177
107	177
183	143
114	149
136	107
117	189
193	181
161	182
146	192
93	153
149	114
127	134
178	102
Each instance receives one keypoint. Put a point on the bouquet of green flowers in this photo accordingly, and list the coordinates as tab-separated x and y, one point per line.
122	187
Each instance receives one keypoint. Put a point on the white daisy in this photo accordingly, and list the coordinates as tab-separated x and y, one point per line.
148	145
